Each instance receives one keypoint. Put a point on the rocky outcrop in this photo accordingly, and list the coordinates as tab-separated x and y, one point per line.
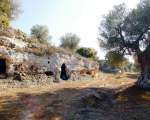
23	62
73	62
12	42
53	62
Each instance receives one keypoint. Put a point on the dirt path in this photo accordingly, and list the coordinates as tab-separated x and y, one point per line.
52	102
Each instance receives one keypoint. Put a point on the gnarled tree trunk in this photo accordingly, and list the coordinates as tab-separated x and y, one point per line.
144	78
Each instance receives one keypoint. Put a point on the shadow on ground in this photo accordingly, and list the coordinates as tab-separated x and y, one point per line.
126	103
132	76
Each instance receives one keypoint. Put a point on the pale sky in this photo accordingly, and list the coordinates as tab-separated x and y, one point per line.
81	17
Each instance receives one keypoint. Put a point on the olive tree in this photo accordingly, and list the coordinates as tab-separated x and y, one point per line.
127	32
70	41
41	33
10	8
116	60
4	22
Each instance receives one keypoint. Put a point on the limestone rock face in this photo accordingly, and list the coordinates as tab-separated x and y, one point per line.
29	62
9	42
53	62
72	62
3	51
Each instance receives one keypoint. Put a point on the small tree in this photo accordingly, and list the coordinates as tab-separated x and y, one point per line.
128	32
41	33
70	41
87	52
116	60
10	8
4	22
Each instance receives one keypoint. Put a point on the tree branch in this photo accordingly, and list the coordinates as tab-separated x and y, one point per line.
121	35
130	47
141	35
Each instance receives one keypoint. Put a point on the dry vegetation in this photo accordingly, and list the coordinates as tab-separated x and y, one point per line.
119	100
39	51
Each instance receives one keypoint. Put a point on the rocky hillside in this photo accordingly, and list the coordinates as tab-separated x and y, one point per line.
21	54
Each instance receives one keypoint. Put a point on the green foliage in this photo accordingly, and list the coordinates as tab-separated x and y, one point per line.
41	33
108	27
4	22
70	41
116	60
130	67
10	8
126	31
87	52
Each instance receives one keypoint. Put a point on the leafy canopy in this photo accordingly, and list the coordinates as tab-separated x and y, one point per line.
126	31
4	22
41	33
116	60
10	8
87	52
70	41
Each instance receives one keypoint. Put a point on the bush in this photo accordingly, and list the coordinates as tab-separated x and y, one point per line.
4	22
116	60
87	53
130	67
10	8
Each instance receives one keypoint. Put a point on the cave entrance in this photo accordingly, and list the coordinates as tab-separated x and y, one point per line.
49	73
2	66
64	72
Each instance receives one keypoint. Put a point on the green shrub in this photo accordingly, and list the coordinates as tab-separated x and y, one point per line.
88	53
4	22
116	60
10	8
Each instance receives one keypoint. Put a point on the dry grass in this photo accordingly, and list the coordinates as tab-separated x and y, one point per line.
50	102
6	33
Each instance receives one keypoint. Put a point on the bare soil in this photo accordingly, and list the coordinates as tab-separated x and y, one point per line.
111	97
